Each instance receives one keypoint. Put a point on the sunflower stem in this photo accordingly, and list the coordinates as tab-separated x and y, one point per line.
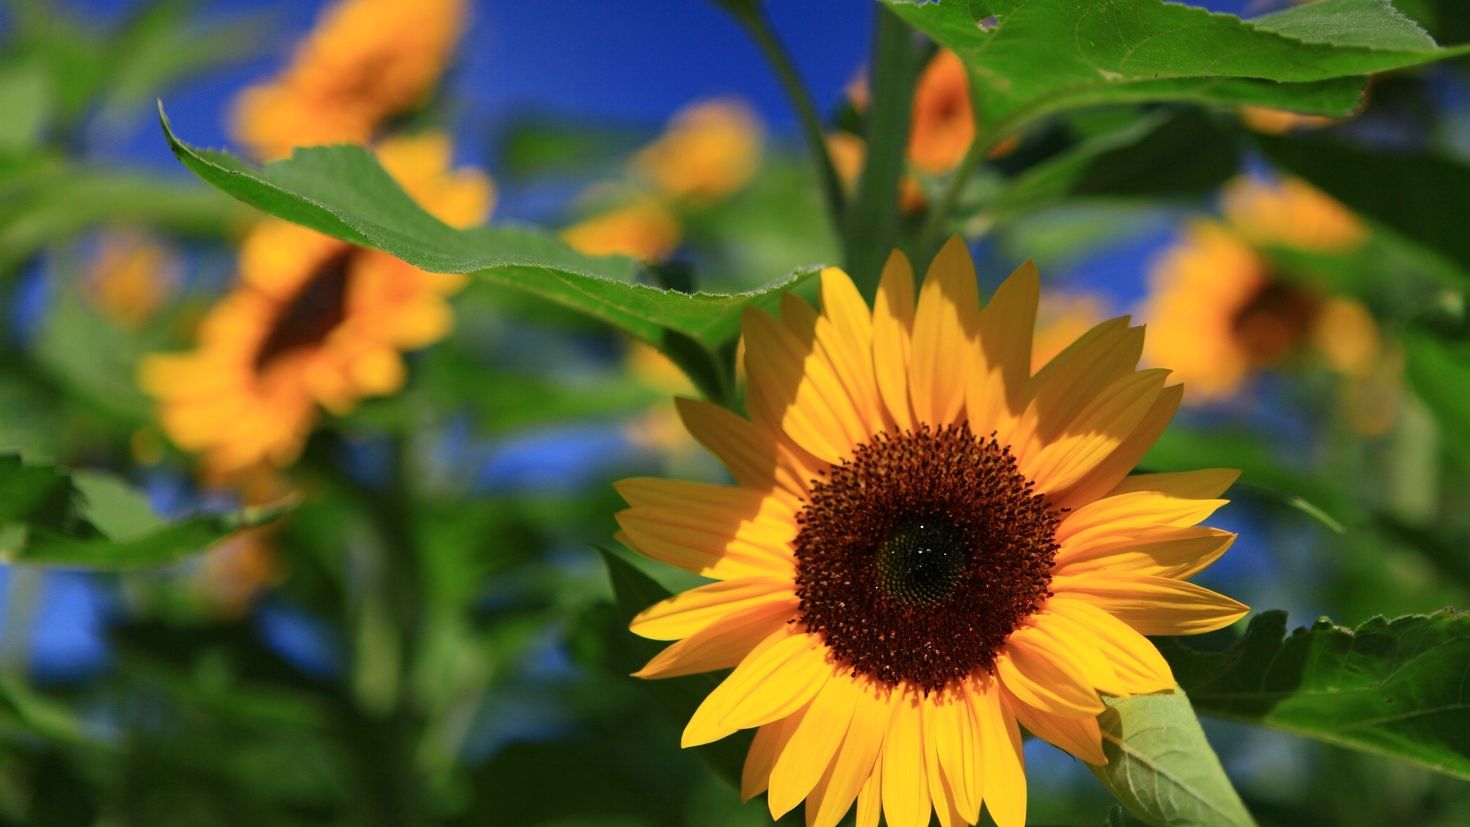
871	228
757	24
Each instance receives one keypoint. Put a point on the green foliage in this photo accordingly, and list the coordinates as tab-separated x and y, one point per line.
1439	369
87	519
1393	687
1149	50
1161	767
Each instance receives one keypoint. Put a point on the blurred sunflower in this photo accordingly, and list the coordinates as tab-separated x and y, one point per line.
130	276
365	61
313	321
708	151
927	547
1219	312
641	227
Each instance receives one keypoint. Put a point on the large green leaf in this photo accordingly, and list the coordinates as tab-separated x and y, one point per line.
1161	767
1031	57
88	519
1398	687
343	192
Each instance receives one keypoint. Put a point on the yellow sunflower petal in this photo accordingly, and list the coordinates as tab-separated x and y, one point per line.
1179	553
940	793
1002	765
856	759
799	317
1131	511
893	324
1108	473
905	787
769	684
1051	638
720	645
1081	737
754	456
1195	485
1154	605
691	611
1133	657
995	397
1064	386
793	389
844	334
951	725
1096	432
946	329
870	799
769	742
810	751
1038	679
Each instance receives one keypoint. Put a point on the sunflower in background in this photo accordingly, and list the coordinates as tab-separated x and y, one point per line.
130	277
313	323
1219	312
911	567
365	61
708	151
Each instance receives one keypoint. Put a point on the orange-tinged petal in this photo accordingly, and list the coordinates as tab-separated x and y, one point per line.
1154	605
997	396
1047	636
1132	656
1097	431
1125	457
1081	737
1002	766
956	742
769	742
691	611
893	324
754	455
905	786
870	798
946	330
1204	484
1064	386
810	751
856	761
794	389
1044	682
1131	511
722	644
770	684
844	334
1179	553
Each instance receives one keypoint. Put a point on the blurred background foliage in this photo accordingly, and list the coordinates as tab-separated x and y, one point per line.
415	624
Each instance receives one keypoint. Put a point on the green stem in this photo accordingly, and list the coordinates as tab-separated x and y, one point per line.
939	214
754	20
872	222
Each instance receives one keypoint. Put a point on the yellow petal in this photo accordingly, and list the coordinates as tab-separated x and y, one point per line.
893	324
722	644
1133	657
946	332
1204	484
844	335
1044	682
1096	432
770	740
754	455
771	683
688	612
1064	386
905	787
1007	324
1081	737
1179	553
810	751
950	758
1002	766
1051	638
1154	605
1131	512
857	759
794	389
870	798
1108	473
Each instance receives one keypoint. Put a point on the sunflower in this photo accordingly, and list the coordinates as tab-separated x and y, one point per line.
927	548
365	60
708	151
1220	312
313	321
641	227
131	275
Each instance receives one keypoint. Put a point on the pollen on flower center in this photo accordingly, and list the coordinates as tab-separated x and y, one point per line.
920	554
312	314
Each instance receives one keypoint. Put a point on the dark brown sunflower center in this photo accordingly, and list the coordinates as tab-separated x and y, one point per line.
1273	323
919	555
312	314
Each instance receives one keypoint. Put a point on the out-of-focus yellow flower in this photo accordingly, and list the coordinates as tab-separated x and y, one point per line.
847	152
313	321
659	428
641	227
708	151
943	125
130	277
365	61
1280	121
1061	318
1290	213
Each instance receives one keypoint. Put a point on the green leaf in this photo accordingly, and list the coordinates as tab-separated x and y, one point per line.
1419	196
1439	370
1031	57
636	591
25	98
1399	688
343	192
1160	155
88	519
1161	767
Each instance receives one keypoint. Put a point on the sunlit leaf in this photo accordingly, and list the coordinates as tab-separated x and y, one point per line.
1161	767
1399	688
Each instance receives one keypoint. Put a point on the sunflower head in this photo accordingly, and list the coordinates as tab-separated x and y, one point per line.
928	546
365	61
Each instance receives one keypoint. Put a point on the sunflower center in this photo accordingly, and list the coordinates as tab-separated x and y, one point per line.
312	314
919	554
1273	323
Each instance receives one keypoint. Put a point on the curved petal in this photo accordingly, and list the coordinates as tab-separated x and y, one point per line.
809	753
856	762
1108	473
769	742
722	644
946	335
1127	514
691	611
1135	659
756	457
1044	682
996	397
1002	765
844	334
870	798
1081	737
905	787
1204	484
1179	553
793	388
893	324
1053	639
1096	432
950	727
771	683
1154	605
